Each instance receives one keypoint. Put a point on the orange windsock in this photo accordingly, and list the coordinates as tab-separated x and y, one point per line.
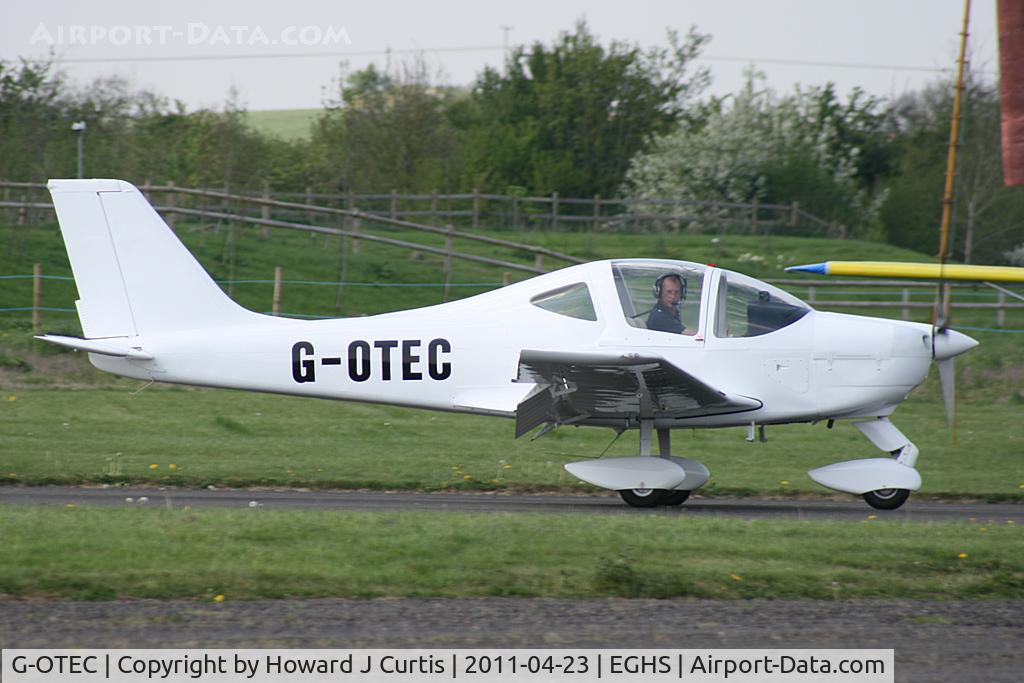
1011	88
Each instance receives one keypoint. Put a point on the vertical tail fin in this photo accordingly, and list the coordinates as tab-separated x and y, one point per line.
133	274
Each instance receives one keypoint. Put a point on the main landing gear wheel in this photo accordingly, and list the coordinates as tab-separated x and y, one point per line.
644	498
886	499
673	498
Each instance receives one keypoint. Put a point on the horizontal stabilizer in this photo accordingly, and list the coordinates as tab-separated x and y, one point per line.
106	347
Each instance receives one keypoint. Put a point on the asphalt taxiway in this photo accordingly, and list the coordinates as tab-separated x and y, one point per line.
300	499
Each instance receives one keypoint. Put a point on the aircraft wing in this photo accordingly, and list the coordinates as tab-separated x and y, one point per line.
576	387
919	271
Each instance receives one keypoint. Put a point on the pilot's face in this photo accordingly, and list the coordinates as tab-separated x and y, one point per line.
671	292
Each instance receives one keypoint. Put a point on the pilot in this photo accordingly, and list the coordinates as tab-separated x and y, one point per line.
670	289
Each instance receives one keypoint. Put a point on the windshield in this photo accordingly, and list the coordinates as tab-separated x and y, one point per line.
661	296
749	308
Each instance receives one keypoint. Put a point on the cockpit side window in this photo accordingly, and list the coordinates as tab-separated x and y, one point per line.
572	300
748	308
639	286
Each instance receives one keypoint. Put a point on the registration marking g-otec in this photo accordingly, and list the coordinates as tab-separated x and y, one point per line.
376	359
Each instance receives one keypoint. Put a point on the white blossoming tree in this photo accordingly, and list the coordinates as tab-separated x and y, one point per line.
757	145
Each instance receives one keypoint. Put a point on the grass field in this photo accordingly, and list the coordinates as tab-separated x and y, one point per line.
198	437
202	554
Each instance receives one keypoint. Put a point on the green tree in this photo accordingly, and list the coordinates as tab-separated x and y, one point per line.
988	218
569	117
387	129
32	112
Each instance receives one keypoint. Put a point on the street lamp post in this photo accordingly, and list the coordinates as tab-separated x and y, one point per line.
79	127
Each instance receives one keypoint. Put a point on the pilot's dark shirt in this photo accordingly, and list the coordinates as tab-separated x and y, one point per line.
665	319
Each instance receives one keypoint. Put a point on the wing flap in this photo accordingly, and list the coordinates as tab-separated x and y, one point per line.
577	386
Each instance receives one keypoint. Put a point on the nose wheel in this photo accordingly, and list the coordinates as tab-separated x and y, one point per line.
643	498
886	499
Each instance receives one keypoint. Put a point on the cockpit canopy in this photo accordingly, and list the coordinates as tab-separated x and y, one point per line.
741	306
745	307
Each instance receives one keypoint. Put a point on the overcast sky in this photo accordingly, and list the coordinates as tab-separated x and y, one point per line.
883	46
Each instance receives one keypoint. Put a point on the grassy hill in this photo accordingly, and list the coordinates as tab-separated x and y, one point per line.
288	124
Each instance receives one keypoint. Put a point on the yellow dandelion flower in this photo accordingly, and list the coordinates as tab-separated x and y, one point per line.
735	577
506	467
218	598
69	506
172	466
467	477
784	482
12	397
872	516
962	556
154	466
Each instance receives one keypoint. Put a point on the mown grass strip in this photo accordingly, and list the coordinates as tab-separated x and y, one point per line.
187	437
89	553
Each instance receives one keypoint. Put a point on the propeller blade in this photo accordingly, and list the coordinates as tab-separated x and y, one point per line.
948	380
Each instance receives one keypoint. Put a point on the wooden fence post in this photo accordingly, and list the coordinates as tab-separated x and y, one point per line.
310	216
355	229
448	245
476	209
276	306
172	199
37	296
23	211
342	269
229	250
554	212
394	204
515	213
1001	312
794	215
265	210
506	278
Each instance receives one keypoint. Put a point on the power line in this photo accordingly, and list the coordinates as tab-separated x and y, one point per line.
474	48
268	55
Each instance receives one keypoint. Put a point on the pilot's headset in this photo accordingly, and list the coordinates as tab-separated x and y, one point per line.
682	282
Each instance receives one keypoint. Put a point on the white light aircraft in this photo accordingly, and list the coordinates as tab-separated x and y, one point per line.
571	347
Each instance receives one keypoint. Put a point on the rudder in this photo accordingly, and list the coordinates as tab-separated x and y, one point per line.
133	274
